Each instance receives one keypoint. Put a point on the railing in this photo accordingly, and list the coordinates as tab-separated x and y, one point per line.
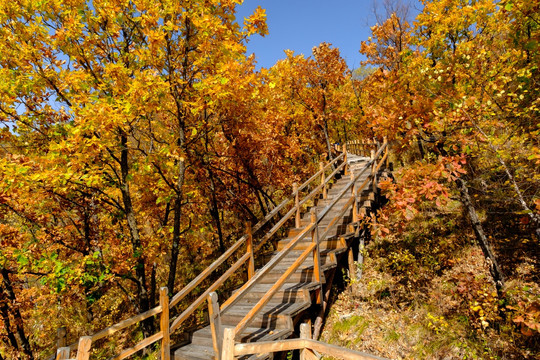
83	346
305	344
312	249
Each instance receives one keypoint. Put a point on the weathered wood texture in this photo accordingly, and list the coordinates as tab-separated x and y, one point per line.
313	241
278	292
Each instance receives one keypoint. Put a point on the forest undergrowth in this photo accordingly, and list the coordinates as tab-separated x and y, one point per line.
427	292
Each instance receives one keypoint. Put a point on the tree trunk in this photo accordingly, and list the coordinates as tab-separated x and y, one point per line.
420	147
20	334
494	268
138	251
177	222
326	137
4	313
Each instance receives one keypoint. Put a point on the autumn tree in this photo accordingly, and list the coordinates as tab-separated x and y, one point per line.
104	103
461	107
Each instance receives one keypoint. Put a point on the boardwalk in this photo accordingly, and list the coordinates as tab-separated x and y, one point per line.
278	317
323	222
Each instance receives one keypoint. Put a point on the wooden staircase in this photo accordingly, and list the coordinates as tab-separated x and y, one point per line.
256	320
277	318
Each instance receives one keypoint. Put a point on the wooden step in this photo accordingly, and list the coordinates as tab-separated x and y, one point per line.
203	337
275	316
336	243
195	352
337	229
304	275
289	292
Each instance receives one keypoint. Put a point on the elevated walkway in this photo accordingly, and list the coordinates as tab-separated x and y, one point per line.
321	227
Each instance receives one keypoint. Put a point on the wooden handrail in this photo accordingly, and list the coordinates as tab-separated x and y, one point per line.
318	173
299	344
191	308
125	323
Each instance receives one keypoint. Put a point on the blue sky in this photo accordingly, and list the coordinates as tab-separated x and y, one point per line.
300	25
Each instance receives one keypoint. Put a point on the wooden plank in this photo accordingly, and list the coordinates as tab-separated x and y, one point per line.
125	323
141	345
296	205
63	353
257	308
263	347
316	255
83	352
164	323
323	180
249	250
339	352
61	334
295	344
305	333
352	267
215	324
229	348
383	161
191	308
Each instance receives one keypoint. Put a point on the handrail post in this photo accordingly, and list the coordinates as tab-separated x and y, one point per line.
305	333
164	323
316	255
373	174
345	169
227	353
296	205
215	323
83	350
249	250
61	333
355	203
387	165
323	180
63	353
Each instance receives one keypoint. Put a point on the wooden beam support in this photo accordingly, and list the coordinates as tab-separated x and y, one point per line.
83	351
345	171
228	351
296	205
63	353
164	323
249	251
305	333
316	255
215	324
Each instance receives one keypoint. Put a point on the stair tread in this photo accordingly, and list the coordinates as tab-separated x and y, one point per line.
283	308
250	334
287	287
193	351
